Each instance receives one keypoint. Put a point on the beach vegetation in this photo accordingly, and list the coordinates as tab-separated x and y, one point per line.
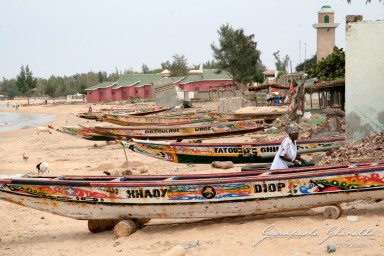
281	63
178	67
237	54
25	82
306	64
331	67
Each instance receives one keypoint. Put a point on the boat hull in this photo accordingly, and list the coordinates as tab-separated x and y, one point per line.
89	210
180	132
267	116
238	153
199	196
80	133
136	112
148	120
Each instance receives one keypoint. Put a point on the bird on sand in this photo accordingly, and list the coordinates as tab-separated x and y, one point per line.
25	158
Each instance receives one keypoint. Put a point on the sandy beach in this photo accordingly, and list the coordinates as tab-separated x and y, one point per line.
32	232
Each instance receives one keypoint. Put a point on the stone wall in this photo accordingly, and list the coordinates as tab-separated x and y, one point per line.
237	98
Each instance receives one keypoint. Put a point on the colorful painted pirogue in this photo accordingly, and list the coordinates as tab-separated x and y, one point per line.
239	152
195	196
131	120
179	132
80	132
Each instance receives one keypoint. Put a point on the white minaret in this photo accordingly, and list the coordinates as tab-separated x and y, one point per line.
326	30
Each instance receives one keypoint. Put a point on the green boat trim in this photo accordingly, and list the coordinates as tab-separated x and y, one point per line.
80	133
206	153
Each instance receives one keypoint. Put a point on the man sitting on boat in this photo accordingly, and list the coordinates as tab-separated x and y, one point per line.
286	155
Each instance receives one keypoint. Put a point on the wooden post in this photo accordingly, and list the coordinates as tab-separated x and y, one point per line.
310	98
125	153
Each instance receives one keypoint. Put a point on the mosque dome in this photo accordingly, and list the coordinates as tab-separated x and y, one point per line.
326	8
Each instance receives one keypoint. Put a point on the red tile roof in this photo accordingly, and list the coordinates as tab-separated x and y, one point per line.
269	72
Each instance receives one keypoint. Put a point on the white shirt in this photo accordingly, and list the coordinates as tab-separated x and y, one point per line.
287	148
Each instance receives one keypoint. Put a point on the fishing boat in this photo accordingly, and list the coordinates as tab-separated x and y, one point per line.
239	152
89	115
194	196
137	112
80	132
132	120
268	116
179	132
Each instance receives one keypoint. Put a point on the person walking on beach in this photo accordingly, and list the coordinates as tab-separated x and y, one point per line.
286	155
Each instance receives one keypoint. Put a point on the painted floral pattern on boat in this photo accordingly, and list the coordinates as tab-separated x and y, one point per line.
60	192
221	191
336	184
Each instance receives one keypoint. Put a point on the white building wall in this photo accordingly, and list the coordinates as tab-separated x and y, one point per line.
364	79
184	95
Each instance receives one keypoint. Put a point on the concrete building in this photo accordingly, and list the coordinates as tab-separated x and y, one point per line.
204	80
364	76
140	86
326	30
270	76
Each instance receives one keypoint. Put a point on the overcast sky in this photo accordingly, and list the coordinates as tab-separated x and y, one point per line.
65	37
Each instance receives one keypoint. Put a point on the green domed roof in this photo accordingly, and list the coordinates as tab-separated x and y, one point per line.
326	6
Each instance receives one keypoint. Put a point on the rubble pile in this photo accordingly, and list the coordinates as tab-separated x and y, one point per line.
368	149
315	124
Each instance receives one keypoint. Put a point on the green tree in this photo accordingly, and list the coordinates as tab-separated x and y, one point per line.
280	73
307	64
281	64
50	89
30	81
21	84
211	65
83	91
155	71
9	87
26	83
102	75
195	66
145	69
331	67
55	86
179	66
92	79
237	55
40	86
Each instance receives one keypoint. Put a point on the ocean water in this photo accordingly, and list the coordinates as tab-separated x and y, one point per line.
14	121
